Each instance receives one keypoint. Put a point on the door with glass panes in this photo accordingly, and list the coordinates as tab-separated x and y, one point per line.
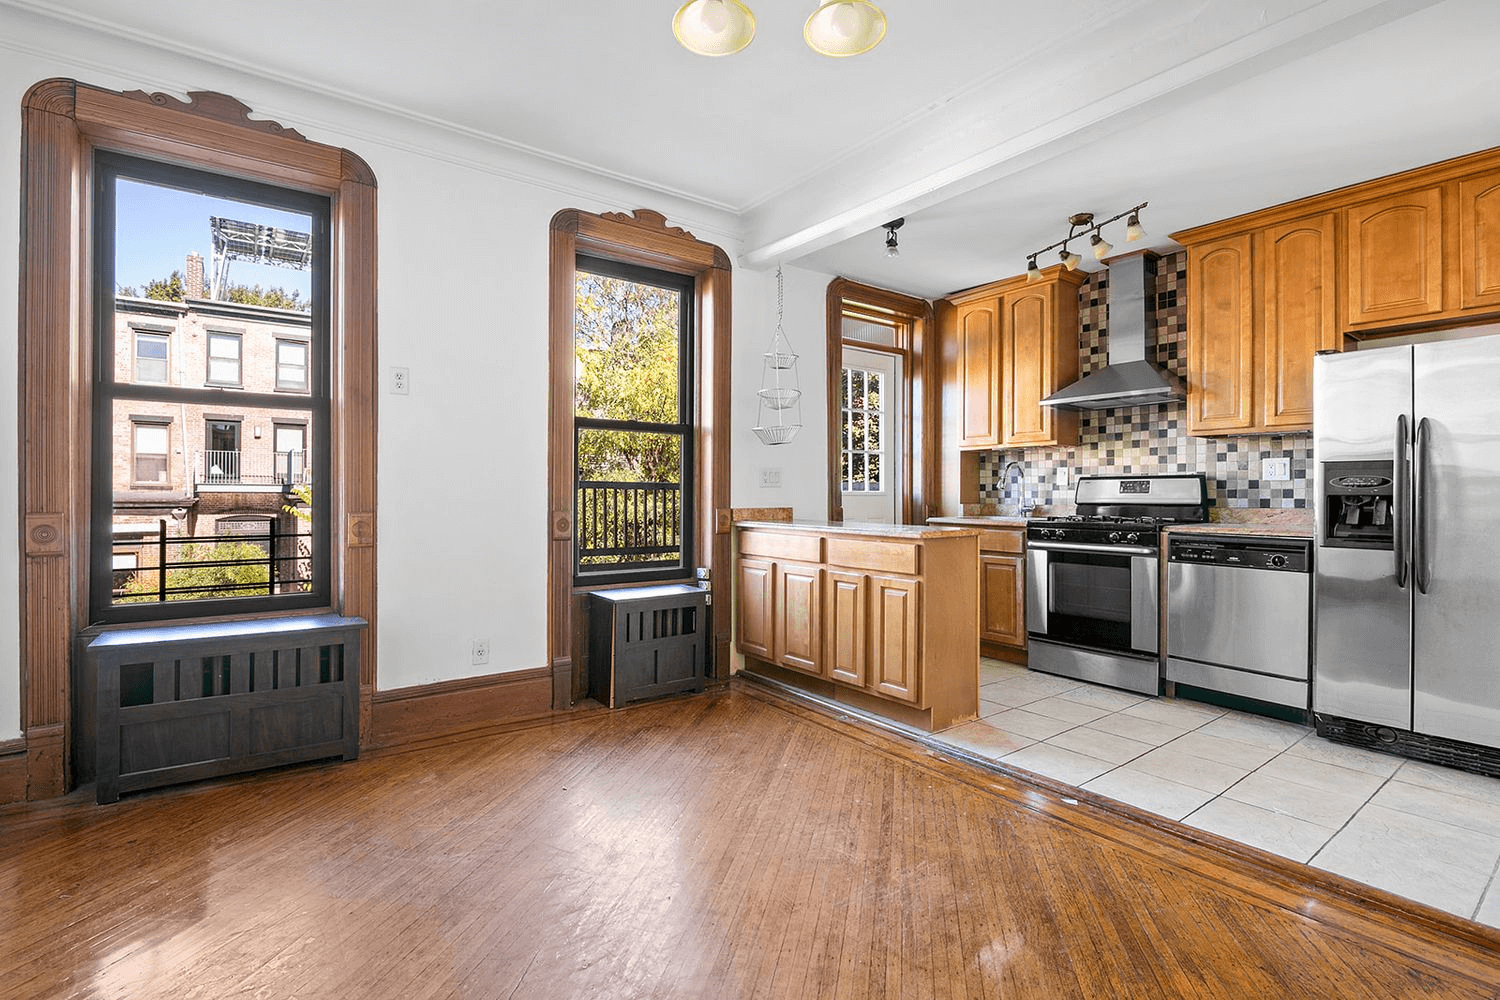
870	432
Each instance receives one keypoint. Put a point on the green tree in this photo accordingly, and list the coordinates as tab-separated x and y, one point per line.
209	576
173	288
626	363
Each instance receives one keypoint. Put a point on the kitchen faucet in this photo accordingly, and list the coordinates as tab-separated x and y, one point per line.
1020	484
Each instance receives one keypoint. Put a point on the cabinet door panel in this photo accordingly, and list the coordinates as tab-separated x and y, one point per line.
1393	258
1220	337
846	627
1299	317
979	373
895	637
1479	241
1026	366
1002	600
754	606
798	627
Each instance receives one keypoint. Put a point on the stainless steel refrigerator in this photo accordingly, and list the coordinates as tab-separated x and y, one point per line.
1406	453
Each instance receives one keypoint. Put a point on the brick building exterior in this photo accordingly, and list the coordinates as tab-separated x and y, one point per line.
207	470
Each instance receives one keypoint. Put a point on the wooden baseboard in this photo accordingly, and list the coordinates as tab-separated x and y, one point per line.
45	777
410	715
12	771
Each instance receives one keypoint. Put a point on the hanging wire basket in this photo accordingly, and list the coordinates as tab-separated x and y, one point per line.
777	433
780	397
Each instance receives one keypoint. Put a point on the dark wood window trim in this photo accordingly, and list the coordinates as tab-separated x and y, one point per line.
63	124
919	394
643	238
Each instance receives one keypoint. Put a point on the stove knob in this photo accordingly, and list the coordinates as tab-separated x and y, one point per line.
1132	538
1277	562
1114	536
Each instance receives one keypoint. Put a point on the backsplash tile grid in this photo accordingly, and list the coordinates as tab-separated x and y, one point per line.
1151	440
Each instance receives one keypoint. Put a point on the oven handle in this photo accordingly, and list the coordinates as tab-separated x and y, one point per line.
1107	550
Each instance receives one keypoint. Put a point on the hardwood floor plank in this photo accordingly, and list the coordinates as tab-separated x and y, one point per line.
729	844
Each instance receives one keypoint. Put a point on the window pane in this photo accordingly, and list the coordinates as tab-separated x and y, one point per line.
630	499
844	385
857	432
857	389
223	346
857	477
873	473
626	349
872	423
291	365
150	357
873	382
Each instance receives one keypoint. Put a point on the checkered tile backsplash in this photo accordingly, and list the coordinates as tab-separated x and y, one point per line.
1152	440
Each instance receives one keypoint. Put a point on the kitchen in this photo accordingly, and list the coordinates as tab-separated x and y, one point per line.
1147	572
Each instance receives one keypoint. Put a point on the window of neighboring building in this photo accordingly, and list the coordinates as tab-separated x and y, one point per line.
633	339
151	356
150	445
224	359
291	452
291	365
205	572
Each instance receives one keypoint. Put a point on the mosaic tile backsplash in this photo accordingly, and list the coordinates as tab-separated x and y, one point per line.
1150	440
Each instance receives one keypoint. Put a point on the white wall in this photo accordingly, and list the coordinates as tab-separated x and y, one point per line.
463	303
803	461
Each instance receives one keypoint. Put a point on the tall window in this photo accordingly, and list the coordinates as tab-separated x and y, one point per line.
221	453
632	423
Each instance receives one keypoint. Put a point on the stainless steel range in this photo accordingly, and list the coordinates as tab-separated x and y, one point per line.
1092	581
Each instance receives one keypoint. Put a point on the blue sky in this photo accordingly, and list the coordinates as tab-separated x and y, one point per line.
156	227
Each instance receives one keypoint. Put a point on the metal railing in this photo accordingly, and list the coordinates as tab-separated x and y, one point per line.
239	468
635	523
189	567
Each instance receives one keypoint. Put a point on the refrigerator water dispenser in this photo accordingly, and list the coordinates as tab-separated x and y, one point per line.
1361	511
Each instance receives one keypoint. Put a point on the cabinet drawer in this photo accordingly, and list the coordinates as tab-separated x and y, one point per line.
776	545
881	557
1012	542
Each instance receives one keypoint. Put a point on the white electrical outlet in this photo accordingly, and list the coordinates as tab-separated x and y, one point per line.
1060	477
401	381
1276	470
770	479
479	651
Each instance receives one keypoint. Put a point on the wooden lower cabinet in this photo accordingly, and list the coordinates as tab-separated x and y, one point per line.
798	632
1002	599
888	623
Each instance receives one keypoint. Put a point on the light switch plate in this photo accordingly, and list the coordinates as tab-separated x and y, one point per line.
1276	470
770	479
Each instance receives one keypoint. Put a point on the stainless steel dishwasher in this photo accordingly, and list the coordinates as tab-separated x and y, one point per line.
1238	617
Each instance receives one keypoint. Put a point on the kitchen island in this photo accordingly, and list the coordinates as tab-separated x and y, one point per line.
883	618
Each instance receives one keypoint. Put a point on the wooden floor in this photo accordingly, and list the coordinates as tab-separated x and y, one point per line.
723	845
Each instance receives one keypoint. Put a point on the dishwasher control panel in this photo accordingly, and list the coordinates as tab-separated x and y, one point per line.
1290	556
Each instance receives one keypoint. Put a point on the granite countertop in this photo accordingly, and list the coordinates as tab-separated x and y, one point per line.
1269	529
982	520
866	528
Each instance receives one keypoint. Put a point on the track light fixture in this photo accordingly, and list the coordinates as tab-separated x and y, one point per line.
1083	224
891	249
722	27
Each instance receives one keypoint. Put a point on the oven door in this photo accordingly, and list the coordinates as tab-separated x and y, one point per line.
1101	597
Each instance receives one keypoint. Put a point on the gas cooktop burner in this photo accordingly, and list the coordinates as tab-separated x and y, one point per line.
1102	519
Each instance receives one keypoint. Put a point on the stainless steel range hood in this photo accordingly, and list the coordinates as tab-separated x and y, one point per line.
1129	379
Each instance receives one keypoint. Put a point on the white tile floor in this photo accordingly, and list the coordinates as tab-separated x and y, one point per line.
1428	833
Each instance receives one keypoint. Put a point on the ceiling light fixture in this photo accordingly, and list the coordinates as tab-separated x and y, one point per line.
844	28
723	27
1083	224
891	248
714	27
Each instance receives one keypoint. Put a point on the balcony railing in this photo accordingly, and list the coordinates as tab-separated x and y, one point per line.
222	469
197	567
639	524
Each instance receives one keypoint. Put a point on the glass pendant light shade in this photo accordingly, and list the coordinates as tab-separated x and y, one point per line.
1070	260
1133	230
714	27
1101	248
845	28
1033	273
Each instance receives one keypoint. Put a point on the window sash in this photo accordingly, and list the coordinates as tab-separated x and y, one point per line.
291	365
224	358
151	357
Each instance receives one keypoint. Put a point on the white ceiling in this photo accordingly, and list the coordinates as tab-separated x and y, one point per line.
984	122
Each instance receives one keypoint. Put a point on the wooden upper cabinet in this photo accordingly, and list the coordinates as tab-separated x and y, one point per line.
1221	337
978	331
1038	357
1299	317
1479	241
1392	260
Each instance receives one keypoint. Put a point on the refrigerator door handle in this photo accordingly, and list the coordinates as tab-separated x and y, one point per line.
1420	570
1403	500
